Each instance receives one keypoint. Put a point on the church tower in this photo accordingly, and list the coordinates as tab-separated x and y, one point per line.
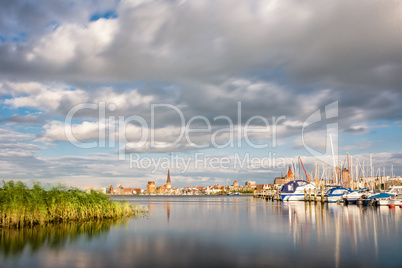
168	183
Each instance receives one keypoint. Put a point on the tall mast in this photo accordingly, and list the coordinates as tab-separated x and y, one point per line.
357	175
371	166
351	167
348	174
299	169
333	158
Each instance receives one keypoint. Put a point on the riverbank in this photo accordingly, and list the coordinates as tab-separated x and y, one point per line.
21	206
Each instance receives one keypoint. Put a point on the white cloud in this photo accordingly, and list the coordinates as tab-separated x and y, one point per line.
71	42
24	87
9	135
124	101
43	96
56	131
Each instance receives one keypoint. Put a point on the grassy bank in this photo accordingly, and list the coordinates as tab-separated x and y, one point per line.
20	206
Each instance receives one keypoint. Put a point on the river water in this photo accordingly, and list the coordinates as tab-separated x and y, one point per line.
203	231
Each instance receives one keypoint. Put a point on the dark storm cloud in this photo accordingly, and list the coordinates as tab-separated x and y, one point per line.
354	45
354	57
162	40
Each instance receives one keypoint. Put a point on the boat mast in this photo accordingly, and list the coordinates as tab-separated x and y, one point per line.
357	176
333	158
348	177
371	166
299	168
294	170
316	178
351	171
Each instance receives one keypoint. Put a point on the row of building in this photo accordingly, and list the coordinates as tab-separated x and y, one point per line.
167	189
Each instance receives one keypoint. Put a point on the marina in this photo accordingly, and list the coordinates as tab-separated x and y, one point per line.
337	195
340	187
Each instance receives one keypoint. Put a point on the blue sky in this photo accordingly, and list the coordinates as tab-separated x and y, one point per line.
200	60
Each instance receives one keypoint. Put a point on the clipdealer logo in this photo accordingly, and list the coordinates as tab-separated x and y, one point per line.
112	133
323	117
112	130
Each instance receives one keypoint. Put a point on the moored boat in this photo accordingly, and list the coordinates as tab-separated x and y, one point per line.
391	196
382	199
294	190
395	190
352	197
336	194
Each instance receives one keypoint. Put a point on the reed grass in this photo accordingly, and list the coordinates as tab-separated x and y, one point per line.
20	206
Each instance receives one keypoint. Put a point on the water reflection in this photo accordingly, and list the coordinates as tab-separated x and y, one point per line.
218	231
318	233
14	242
351	229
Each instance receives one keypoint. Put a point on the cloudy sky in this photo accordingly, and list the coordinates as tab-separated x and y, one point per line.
104	92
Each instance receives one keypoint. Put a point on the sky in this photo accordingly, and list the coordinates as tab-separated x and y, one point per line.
94	93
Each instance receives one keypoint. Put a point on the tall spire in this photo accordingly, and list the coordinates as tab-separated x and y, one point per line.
168	177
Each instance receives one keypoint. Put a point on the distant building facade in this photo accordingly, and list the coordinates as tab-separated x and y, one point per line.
262	187
109	189
283	180
120	189
151	188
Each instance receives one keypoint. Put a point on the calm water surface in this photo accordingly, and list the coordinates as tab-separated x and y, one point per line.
216	231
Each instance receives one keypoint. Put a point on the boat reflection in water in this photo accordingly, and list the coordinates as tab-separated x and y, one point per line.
201	231
337	224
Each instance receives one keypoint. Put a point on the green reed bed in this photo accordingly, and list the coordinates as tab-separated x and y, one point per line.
20	206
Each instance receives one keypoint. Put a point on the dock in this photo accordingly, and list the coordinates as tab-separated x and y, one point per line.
274	195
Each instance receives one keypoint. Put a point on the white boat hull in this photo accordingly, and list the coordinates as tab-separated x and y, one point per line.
354	196
386	202
301	190
332	199
292	197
